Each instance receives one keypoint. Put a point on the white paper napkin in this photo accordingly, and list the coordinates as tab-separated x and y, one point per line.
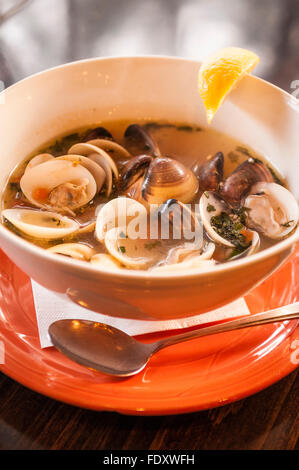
50	307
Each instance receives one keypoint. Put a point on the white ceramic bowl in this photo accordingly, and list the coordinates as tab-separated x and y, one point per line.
83	93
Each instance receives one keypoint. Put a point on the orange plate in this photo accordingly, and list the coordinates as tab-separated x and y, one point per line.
196	375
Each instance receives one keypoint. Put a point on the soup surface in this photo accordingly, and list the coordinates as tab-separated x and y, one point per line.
155	196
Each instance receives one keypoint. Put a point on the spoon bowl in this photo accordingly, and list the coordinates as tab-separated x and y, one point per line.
100	347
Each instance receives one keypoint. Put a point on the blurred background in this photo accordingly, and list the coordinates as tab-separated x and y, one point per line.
37	34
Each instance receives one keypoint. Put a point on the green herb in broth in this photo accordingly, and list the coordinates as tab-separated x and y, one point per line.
61	145
179	127
157	126
275	177
244	150
233	156
185	128
152	245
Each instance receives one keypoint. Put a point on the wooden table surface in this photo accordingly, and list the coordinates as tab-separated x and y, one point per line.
267	420
51	32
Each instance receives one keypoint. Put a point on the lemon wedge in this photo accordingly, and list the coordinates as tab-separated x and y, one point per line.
220	73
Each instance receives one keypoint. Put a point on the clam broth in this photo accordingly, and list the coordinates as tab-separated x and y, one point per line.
184	143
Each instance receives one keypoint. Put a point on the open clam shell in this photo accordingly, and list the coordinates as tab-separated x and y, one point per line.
253	240
58	183
177	255
99	156
192	262
110	146
211	205
105	261
41	224
96	170
38	159
272	210
184	224
224	226
73	250
123	249
117	213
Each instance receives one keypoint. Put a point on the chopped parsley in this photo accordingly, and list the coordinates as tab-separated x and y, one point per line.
157	125
230	227
233	156
185	128
237	251
122	249
210	208
151	245
56	221
244	150
275	177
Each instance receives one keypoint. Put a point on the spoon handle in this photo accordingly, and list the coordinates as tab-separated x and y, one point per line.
288	312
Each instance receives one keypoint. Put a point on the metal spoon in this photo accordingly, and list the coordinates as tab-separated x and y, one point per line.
109	350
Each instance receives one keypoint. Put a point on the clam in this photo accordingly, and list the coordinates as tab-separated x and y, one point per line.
178	255
226	226
186	228
38	159
192	262
131	253
103	260
115	213
210	173
97	133
96	170
253	240
183	222
142	249
140	137
210	206
168	179
111	146
40	224
59	184
73	250
241	180
133	170
87	228
271	210
154	180
99	156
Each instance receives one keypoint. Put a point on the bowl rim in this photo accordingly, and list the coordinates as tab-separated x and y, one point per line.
78	265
